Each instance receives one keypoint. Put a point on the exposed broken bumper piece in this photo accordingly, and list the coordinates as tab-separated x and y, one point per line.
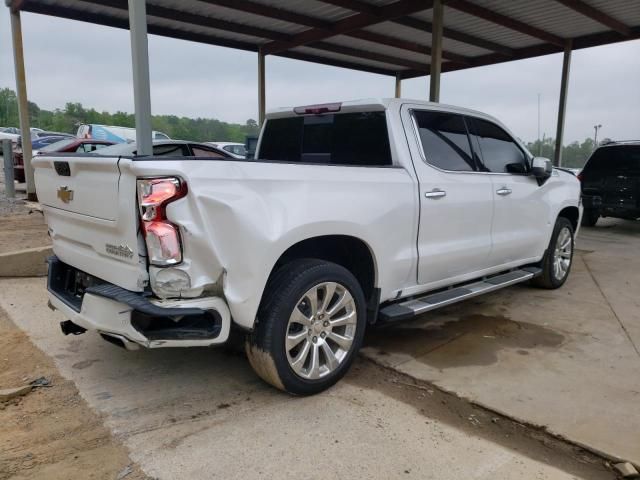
131	319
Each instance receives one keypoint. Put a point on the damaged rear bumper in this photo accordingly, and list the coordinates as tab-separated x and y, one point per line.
132	319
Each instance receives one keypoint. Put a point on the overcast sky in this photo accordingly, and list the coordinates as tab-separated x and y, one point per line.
80	62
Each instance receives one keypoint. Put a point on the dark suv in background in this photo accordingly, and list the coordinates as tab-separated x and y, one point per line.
611	182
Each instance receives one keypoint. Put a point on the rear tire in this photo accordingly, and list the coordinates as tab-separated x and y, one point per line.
558	258
590	217
309	327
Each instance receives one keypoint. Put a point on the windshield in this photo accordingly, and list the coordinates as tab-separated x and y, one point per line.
57	146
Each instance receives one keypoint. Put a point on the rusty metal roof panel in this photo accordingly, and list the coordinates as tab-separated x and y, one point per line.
312	8
481	28
197	29
549	16
374	48
217	13
347	58
223	22
423	37
627	12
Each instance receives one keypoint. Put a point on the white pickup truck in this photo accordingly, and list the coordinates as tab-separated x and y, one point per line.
350	214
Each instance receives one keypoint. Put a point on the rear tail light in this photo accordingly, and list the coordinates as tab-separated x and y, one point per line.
580	177
162	237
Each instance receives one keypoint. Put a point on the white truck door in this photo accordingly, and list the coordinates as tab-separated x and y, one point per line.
456	201
521	219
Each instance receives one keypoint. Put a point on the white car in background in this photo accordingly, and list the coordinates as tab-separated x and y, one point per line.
237	150
11	133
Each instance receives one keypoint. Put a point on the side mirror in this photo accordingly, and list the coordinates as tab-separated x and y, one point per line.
541	168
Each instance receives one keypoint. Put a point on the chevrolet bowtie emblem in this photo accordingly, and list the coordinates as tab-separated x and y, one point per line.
65	194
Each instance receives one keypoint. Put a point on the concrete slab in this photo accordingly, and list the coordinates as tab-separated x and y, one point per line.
561	359
30	262
202	414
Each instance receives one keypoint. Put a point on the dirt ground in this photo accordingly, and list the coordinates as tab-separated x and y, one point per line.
51	433
24	229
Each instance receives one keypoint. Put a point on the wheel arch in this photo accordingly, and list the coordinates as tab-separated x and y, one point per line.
572	214
350	252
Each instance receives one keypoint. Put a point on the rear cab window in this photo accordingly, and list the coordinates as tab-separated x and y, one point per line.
613	160
355	139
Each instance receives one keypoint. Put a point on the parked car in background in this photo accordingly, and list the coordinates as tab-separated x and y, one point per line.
11	133
351	213
169	148
237	150
611	182
65	145
45	133
113	134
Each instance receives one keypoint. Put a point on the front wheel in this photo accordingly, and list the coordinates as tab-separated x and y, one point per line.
310	325
558	258
590	217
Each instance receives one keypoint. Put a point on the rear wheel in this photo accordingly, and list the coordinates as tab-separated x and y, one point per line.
557	261
310	326
590	217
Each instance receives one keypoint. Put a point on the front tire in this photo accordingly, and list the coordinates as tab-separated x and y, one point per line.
309	328
558	258
590	217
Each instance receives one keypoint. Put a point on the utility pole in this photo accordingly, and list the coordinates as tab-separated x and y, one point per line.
539	142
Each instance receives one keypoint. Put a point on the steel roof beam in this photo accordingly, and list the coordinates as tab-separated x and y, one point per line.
585	41
377	57
504	21
597	15
268	11
360	20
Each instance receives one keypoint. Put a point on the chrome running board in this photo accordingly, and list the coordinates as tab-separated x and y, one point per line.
415	306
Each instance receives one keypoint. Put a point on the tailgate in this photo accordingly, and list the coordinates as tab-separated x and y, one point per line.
91	212
621	191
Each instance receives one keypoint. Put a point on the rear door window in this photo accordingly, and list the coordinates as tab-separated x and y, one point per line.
359	139
444	139
499	152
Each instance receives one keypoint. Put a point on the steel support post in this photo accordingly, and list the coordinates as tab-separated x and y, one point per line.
436	51
7	155
562	105
23	104
141	85
262	102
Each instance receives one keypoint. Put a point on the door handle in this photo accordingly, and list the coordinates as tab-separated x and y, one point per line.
435	193
504	191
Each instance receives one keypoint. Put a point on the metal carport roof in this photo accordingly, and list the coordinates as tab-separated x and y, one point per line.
389	37
401	38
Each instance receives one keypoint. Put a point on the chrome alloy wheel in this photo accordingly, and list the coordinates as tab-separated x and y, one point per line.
562	254
321	330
